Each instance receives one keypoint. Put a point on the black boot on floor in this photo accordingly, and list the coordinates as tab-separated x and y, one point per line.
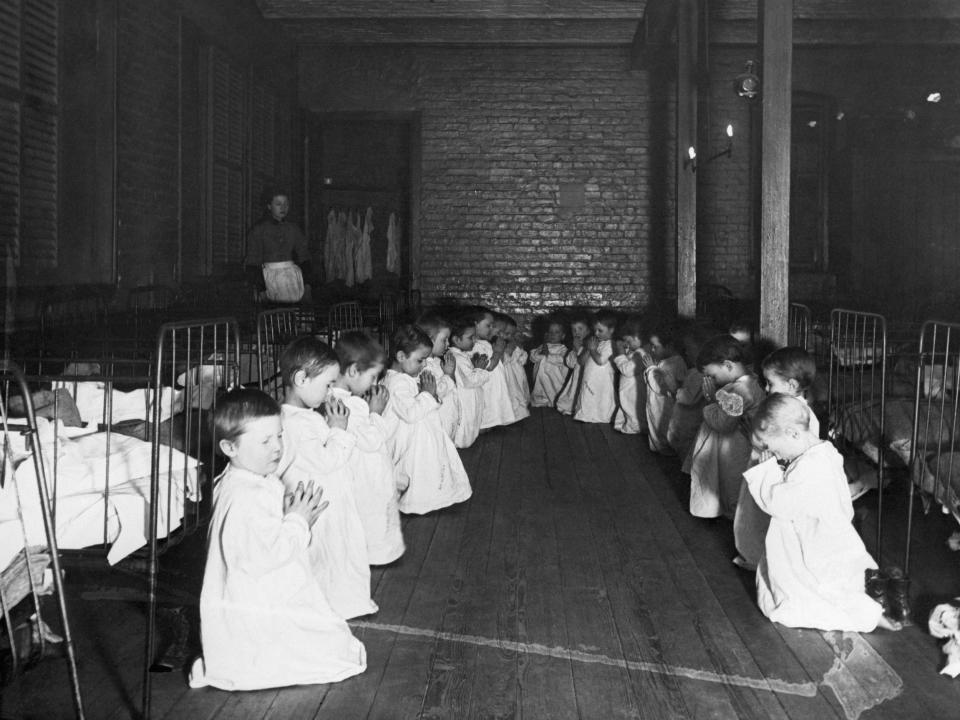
877	586
898	596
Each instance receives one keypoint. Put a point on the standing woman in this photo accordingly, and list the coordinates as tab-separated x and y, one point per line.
277	253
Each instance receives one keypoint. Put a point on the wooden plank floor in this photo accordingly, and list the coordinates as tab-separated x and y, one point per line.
574	584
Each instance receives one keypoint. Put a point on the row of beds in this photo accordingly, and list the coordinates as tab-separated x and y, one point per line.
114	454
112	458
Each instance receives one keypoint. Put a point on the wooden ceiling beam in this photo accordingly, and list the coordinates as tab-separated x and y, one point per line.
861	32
836	10
451	9
462	32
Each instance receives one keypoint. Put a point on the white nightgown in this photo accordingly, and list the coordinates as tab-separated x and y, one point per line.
597	401
470	381
312	450
812	572
447	392
516	371
549	372
374	485
571	386
363	259
627	417
750	522
264	621
497	403
662	380
425	457
721	451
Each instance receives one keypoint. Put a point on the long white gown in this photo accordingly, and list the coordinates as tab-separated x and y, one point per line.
549	372
597	401
750	522
721	451
470	381
374	480
447	392
312	450
497	403
571	384
425	456
264	621
662	380
812	572
516	372
627	416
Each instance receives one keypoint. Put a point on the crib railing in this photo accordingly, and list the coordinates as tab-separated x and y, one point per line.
799	320
857	386
936	411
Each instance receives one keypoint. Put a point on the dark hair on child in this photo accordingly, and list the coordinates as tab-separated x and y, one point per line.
606	317
269	192
792	363
504	318
779	411
634	326
408	339
461	324
432	323
721	349
358	348
579	316
307	354
667	333
237	408
477	313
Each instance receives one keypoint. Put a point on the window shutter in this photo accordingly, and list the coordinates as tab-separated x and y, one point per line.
227	143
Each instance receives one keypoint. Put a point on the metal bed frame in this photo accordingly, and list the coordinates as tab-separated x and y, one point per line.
799	321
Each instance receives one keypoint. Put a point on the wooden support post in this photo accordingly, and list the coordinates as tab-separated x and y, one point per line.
776	39
686	178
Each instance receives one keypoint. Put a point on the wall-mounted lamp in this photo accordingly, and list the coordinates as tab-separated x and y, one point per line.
691	159
747	83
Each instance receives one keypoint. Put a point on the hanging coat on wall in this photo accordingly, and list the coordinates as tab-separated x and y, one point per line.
354	233
364	260
393	245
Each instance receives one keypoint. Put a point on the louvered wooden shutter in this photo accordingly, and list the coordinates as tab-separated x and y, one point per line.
227	97
29	132
270	141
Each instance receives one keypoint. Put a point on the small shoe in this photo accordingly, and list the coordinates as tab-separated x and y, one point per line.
898	597
741	562
877	586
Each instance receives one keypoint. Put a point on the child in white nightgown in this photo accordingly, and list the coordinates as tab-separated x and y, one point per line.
597	401
423	453
579	332
515	365
497	403
471	374
630	418
812	572
264	621
319	448
375	482
790	371
442	367
663	377
721	450
549	370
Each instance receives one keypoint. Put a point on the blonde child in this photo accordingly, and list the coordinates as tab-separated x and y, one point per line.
515	366
425	456
812	572
442	368
579	332
721	450
663	376
597	400
497	403
471	374
630	417
790	371
319	448
264	620
687	414
374	485
549	370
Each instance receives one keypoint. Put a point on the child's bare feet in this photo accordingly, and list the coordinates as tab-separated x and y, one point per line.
888	624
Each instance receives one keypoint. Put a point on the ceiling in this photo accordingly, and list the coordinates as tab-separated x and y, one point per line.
603	22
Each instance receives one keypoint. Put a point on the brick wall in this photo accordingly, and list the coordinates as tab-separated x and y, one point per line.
503	130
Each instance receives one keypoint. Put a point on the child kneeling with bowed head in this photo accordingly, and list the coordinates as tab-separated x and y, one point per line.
425	456
264	620
374	485
812	572
318	447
